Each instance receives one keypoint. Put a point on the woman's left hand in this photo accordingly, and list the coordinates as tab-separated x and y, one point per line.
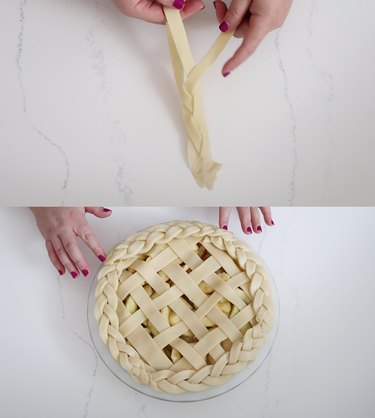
152	11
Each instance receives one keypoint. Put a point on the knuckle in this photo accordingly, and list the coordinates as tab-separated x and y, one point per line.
50	252
234	14
248	50
69	245
271	24
59	230
50	230
87	236
59	251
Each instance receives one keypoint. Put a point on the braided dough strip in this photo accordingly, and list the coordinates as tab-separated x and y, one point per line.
188	76
109	308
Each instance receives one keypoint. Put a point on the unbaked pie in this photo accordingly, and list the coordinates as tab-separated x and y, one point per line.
183	306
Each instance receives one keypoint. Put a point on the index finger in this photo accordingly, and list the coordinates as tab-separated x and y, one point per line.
69	240
89	238
257	30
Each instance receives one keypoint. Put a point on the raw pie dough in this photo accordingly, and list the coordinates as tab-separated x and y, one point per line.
187	76
183	306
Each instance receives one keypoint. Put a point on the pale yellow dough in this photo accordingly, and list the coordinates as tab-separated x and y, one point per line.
183	306
188	76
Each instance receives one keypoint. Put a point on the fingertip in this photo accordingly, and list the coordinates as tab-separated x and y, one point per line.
228	68
224	213
267	215
179	4
224	26
269	222
233	64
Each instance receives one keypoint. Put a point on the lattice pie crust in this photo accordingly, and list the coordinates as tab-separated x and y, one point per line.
183	306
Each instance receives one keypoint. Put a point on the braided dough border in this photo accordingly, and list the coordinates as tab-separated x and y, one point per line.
188	75
242	352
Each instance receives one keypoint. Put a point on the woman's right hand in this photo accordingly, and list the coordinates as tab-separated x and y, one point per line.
61	228
251	20
250	218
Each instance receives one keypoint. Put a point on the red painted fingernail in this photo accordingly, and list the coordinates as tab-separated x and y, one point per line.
225	227
226	74
179	4
74	274
85	272
224	26
259	228
101	257
107	210
272	222
248	229
60	272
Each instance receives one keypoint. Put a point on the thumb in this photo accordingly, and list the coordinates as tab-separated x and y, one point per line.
234	16
99	212
221	10
177	4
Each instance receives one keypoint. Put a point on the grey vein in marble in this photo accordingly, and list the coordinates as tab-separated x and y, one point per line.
328	80
261	242
292	118
122	184
93	375
118	135
98	61
141	408
122	177
19	53
140	404
61	298
267	383
45	138
295	293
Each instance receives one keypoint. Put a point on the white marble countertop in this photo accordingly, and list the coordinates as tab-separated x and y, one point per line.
88	107
322	363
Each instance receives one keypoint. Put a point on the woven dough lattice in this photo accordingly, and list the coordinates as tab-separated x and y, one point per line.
183	306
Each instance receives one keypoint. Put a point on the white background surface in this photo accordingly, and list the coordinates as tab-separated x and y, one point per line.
88	107
322	363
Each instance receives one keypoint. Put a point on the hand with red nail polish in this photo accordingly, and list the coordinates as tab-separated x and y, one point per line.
251	20
61	227
152	10
249	218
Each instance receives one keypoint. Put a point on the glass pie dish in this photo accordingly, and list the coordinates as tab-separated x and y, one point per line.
178	267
